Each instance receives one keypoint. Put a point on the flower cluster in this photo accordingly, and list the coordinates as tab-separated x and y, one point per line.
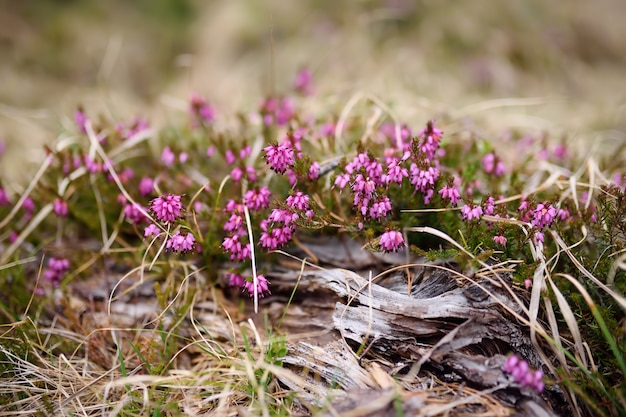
134	212
368	181
235	243
201	112
60	207
277	111
471	211
167	208
450	192
138	125
431	138
181	243
56	269
278	228
522	374
543	215
236	280
257	199
493	165
279	157
391	240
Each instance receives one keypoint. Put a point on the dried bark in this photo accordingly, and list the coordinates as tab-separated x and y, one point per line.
443	325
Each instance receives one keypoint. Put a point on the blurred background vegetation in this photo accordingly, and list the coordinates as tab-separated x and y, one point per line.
425	57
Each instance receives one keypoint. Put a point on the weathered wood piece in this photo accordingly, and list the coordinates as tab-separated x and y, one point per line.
461	330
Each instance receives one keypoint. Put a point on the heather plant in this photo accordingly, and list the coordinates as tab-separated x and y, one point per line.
196	201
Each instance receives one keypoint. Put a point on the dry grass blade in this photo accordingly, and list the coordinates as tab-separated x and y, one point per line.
570	319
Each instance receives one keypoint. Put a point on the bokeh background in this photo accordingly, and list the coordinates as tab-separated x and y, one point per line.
425	58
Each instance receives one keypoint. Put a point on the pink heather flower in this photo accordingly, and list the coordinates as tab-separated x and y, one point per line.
262	286
303	83
123	176
278	229
327	129
560	151
210	151
451	193
146	186
563	214
201	111
500	170
543	215
230	157
126	175
499	240
523	206
528	283
233	207
138	125
236	174
522	374
167	208
181	243
251	174
257	199
391	240
283	216
490	206
92	166
298	201
278	111
4	198
60	207
380	208
245	152
279	157
80	118
57	267
235	224
538	238
168	157
488	163
314	171
423	179
132	213
373	168
238	250
342	180
471	186
428	195
395	172
28	205
470	212
236	280
364	186
493	165
431	138
183	157
152	229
